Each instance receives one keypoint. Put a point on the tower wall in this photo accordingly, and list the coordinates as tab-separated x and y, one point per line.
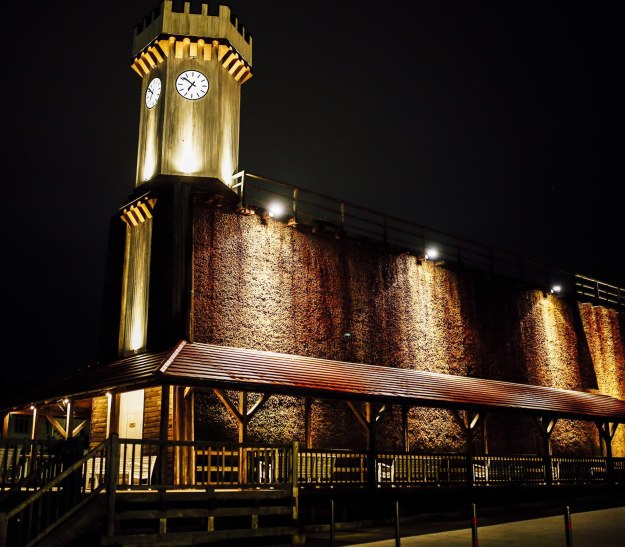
196	137
276	288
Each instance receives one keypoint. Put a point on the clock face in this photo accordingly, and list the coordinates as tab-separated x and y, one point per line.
192	84
153	93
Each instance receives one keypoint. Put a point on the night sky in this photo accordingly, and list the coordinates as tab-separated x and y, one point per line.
498	121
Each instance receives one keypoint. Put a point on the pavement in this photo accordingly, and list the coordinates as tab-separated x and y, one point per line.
533	525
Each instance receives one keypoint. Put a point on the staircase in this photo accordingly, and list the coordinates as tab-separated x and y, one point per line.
190	518
98	500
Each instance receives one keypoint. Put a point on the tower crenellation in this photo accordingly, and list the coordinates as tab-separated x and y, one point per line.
199	20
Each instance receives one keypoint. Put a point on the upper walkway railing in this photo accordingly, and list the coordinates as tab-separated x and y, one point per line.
331	215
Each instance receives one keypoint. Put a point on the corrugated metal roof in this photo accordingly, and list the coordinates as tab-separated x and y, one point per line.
276	372
136	370
207	365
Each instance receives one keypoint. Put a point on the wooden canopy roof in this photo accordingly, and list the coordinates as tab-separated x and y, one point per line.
212	366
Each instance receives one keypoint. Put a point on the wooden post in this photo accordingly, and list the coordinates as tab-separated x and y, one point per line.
33	431
295	479
109	398
242	436
546	426
468	421
113	425
112	476
606	433
164	430
307	422
190	434
68	420
404	425
485	434
470	477
243	413
5	425
373	456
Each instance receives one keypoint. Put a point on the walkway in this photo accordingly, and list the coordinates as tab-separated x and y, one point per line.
603	527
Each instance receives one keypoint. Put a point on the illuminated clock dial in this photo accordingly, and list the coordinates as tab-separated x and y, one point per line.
192	84
153	93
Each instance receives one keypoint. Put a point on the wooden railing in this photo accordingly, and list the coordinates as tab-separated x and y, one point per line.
19	458
155	464
320	468
55	502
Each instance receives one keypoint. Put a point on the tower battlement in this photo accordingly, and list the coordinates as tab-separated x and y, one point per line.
193	19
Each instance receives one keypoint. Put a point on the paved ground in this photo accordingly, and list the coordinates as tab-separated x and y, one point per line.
603	527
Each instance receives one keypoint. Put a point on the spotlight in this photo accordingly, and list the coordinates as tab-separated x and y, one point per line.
276	210
556	289
431	254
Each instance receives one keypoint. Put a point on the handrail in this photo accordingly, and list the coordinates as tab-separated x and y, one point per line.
41	471
62	487
414	237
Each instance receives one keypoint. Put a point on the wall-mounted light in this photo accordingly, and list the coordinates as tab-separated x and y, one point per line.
276	209
431	253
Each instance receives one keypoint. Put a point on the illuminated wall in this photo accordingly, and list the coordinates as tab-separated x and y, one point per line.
271	287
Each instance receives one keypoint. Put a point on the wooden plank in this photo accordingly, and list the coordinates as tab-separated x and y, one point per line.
147	514
194	538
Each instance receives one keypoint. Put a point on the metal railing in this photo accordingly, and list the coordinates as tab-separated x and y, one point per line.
329	215
599	292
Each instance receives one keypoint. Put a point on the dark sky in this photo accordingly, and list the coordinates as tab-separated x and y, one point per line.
498	121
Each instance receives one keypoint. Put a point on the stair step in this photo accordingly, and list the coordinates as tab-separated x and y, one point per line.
144	514
195	538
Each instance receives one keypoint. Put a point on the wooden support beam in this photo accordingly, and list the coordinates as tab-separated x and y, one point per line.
404	426
56	425
5	425
607	430
243	413
33	431
307	422
468	421
228	404
258	405
68	420
362	420
79	428
546	425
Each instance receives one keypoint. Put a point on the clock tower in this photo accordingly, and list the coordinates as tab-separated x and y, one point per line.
192	66
192	63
